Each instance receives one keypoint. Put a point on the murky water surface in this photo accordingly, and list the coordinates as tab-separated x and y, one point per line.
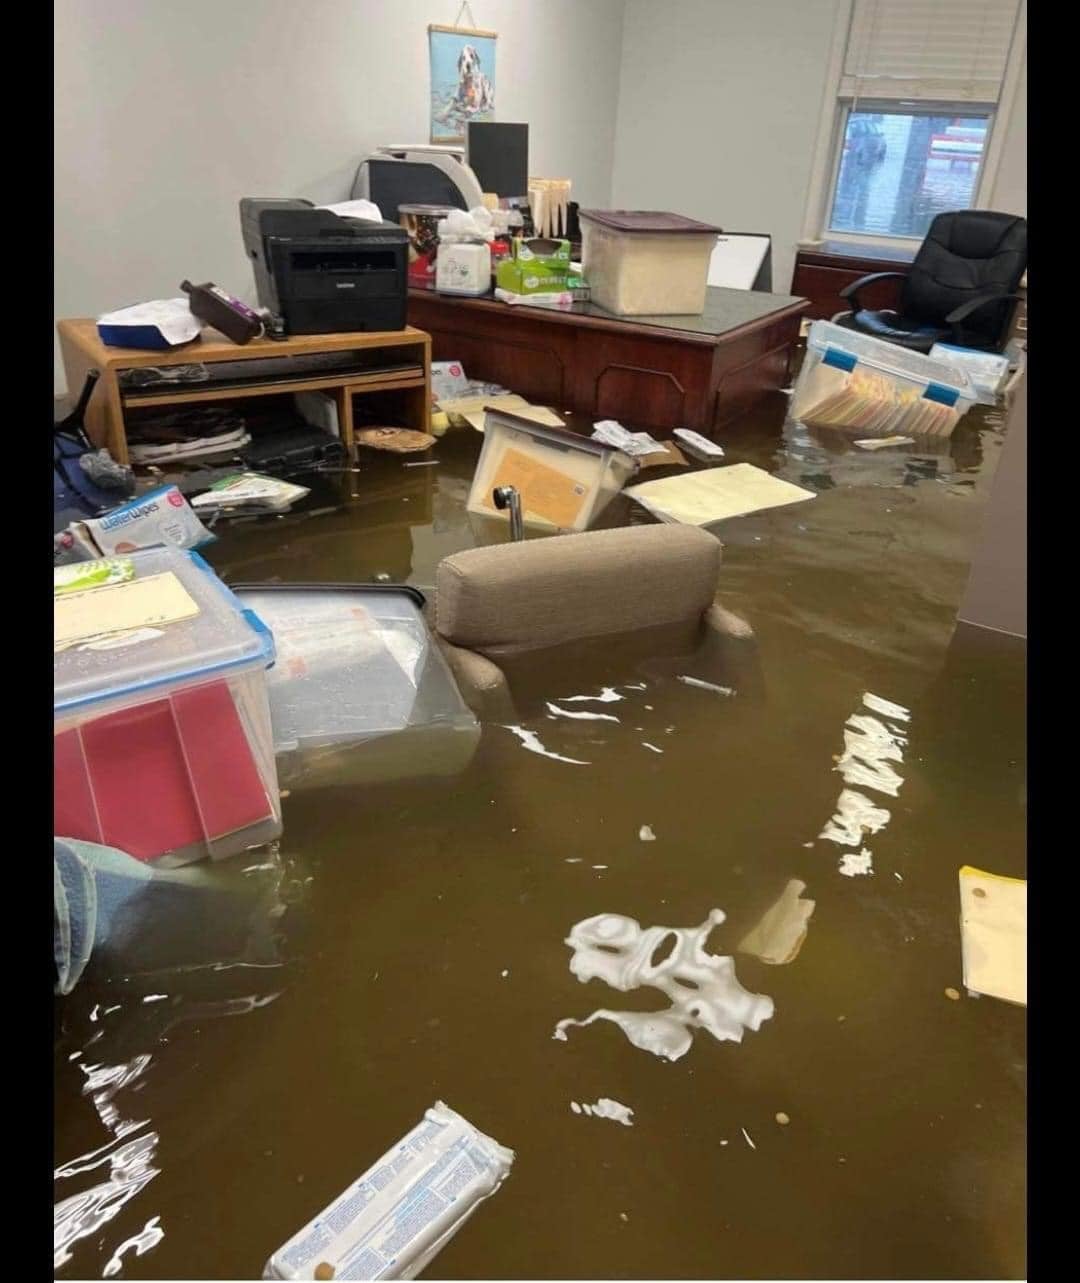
203	1115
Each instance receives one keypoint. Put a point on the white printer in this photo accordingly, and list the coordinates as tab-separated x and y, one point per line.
416	174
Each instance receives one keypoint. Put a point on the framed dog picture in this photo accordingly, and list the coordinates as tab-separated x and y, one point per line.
462	80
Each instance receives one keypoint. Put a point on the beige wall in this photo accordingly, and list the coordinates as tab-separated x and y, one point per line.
168	111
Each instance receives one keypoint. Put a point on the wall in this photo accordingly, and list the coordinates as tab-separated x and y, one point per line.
719	102
166	114
719	107
996	595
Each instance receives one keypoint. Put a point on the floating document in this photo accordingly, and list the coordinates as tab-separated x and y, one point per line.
715	494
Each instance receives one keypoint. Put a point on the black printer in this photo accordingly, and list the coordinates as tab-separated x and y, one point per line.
319	273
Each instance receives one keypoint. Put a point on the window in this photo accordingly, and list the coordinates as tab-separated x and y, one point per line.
917	89
899	167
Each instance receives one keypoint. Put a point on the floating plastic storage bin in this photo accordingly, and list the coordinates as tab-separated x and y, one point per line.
852	381
163	747
644	263
565	481
360	691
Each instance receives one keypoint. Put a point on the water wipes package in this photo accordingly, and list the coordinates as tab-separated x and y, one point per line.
161	517
393	1220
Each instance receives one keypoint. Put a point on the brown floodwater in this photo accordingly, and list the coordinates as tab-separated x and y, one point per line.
420	931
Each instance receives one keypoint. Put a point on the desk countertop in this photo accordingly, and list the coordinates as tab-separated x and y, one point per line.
725	310
215	347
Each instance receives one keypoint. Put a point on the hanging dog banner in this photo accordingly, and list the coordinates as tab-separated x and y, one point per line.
462	78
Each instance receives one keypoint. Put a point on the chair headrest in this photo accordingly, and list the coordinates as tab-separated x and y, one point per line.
517	597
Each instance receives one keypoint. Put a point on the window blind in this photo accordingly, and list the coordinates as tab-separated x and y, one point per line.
952	50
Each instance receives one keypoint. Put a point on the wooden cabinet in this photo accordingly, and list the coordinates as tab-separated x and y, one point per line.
822	271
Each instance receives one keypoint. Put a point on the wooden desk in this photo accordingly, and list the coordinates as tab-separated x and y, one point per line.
697	372
823	271
82	350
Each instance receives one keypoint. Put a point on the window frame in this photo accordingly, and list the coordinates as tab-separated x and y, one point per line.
835	108
906	107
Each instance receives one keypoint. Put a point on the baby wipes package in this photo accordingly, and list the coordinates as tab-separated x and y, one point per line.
393	1220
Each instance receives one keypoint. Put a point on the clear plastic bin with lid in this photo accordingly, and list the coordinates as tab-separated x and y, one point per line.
162	745
859	383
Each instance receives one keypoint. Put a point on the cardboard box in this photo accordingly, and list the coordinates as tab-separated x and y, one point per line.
536	266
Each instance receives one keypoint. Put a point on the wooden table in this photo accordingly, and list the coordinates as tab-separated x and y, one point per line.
697	372
82	350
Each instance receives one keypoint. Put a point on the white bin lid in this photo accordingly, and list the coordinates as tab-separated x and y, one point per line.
354	661
846	348
221	638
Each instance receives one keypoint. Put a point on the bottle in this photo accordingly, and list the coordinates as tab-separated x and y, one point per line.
211	304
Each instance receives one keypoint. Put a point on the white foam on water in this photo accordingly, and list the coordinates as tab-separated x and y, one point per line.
855	864
702	987
530	741
606	1108
855	816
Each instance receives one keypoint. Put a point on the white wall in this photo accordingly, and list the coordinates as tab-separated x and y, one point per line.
719	102
719	107
168	112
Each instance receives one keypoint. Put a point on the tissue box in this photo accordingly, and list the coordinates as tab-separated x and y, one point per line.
537	266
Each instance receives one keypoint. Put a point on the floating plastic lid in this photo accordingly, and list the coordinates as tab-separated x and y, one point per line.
354	661
844	349
647	220
221	638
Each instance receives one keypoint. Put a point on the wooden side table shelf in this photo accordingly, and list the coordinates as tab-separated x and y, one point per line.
82	350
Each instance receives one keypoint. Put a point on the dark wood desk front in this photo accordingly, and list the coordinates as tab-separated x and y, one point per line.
823	271
697	372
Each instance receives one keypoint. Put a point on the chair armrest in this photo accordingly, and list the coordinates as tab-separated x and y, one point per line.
851	291
973	304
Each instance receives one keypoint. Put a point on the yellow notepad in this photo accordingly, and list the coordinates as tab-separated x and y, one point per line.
993	933
113	608
700	498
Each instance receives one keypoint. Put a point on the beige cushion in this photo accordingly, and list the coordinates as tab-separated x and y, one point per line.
517	597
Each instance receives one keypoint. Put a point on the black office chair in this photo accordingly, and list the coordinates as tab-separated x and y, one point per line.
961	287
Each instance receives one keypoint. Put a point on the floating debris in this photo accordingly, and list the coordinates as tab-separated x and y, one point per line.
782	1118
746	1136
952	993
779	935
646	744
705	686
646	834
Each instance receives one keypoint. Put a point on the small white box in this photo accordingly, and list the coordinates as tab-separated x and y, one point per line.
319	410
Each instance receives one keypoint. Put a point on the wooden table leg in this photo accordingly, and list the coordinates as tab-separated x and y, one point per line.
345	423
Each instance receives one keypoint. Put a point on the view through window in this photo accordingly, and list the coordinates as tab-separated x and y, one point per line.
899	169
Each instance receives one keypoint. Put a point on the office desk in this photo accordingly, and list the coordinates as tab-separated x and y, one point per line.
822	271
697	372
